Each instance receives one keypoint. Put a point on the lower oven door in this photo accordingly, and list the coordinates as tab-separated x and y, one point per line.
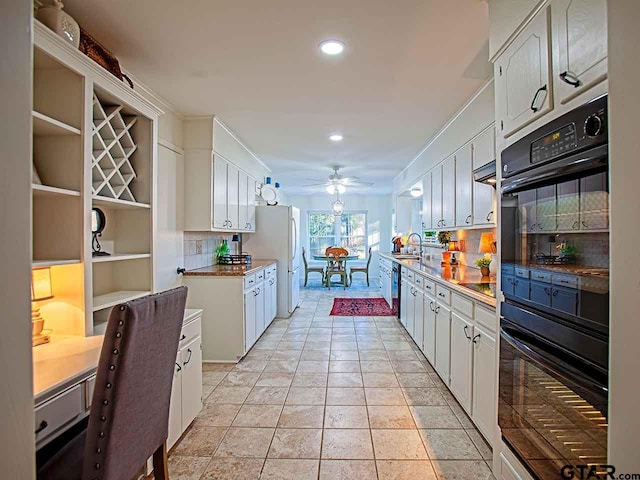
552	407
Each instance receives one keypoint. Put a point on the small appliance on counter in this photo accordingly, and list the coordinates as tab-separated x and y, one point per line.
397	244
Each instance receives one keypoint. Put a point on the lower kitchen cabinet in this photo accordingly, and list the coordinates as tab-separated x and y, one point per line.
418	318
429	329
443	341
405	294
237	310
186	392
483	409
461	359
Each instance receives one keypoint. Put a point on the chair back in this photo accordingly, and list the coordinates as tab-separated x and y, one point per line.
336	258
130	408
369	259
304	258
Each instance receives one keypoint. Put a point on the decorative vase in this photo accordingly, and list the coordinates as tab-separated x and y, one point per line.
60	22
485	271
446	258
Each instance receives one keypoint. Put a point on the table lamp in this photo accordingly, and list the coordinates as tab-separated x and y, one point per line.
40	290
454	246
487	246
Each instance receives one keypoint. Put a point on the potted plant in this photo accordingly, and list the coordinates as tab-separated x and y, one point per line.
222	250
444	237
568	252
484	263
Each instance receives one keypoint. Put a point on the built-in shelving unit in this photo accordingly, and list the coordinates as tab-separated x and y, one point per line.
93	147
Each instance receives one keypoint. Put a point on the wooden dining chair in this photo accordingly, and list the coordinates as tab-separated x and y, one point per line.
129	417
308	269
337	265
358	269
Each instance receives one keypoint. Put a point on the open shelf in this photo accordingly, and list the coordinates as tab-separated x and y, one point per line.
44	125
112	299
116	257
53	263
117	203
46	190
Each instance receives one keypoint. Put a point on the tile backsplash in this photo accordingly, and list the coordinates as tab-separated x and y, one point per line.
200	248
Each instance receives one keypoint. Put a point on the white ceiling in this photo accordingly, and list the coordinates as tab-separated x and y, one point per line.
408	67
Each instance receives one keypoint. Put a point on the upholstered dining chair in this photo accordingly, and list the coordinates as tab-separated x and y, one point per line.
358	269
308	269
129	417
337	265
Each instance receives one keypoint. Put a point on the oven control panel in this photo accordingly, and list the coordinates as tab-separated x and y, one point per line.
556	143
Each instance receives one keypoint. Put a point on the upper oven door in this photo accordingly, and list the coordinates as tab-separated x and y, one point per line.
555	239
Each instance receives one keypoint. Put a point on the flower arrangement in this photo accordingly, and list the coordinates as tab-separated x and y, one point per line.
485	261
444	237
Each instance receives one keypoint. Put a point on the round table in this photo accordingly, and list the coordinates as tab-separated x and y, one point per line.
323	257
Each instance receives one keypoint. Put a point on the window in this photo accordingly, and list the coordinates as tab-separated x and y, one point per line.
348	231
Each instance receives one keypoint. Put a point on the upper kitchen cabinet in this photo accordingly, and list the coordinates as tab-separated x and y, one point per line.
426	202
523	77
484	195
219	196
580	46
403	214
436	197
449	192
464	186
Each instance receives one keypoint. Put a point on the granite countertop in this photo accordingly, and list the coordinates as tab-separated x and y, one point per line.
229	270
68	360
454	276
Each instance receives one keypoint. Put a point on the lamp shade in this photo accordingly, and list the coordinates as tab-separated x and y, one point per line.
41	284
454	246
487	243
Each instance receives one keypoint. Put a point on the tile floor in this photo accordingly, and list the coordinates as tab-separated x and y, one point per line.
321	397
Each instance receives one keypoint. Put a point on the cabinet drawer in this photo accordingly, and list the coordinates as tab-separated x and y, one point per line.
541	276
260	276
486	318
522	272
569	281
418	280
443	295
249	280
89	387
190	331
58	412
462	305
410	275
507	269
429	287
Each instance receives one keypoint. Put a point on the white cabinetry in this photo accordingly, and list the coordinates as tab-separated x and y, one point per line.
523	77
429	333
443	341
403	214
436	197
250	316
220	204
484	195
580	46
449	192
461	358
464	186
186	392
484	406
426	203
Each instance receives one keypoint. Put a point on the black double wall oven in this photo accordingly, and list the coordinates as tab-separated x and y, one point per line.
554	326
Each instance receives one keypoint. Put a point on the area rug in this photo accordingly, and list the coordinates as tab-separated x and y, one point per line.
363	307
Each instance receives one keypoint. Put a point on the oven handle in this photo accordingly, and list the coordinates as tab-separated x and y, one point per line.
593	159
550	362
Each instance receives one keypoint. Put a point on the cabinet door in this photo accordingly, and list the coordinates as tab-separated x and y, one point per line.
429	333
594	202
443	338
220	218
484	381
251	204
426	203
405	295
191	381
565	300
568	205
411	304
461	360
243	206
508	283
540	293
403	214
249	319
521	287
274	298
484	148
523	77
464	186
527	211
233	199
580	39
268	286
483	204
449	192
546	218
260	309
175	404
418	319
436	197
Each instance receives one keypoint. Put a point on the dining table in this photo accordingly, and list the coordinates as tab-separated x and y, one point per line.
323	257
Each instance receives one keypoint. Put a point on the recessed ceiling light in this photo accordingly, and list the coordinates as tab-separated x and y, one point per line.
336	137
332	47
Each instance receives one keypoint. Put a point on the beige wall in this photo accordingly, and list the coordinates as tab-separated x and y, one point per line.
16	394
624	104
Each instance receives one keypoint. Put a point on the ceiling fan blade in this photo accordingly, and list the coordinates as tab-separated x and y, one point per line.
360	184
324	184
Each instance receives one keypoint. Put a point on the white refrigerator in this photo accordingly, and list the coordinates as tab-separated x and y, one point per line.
277	237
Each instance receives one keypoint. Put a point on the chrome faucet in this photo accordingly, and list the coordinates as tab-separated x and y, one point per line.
420	239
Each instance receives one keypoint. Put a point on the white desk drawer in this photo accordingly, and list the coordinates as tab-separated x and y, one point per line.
249	281
462	305
89	387
443	295
190	331
58	411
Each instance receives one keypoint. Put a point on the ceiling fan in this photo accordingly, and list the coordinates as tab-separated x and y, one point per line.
337	183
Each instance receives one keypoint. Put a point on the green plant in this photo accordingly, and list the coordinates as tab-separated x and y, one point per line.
484	261
444	237
223	249
567	249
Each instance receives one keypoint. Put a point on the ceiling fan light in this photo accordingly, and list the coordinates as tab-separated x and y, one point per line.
338	207
341	188
336	187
